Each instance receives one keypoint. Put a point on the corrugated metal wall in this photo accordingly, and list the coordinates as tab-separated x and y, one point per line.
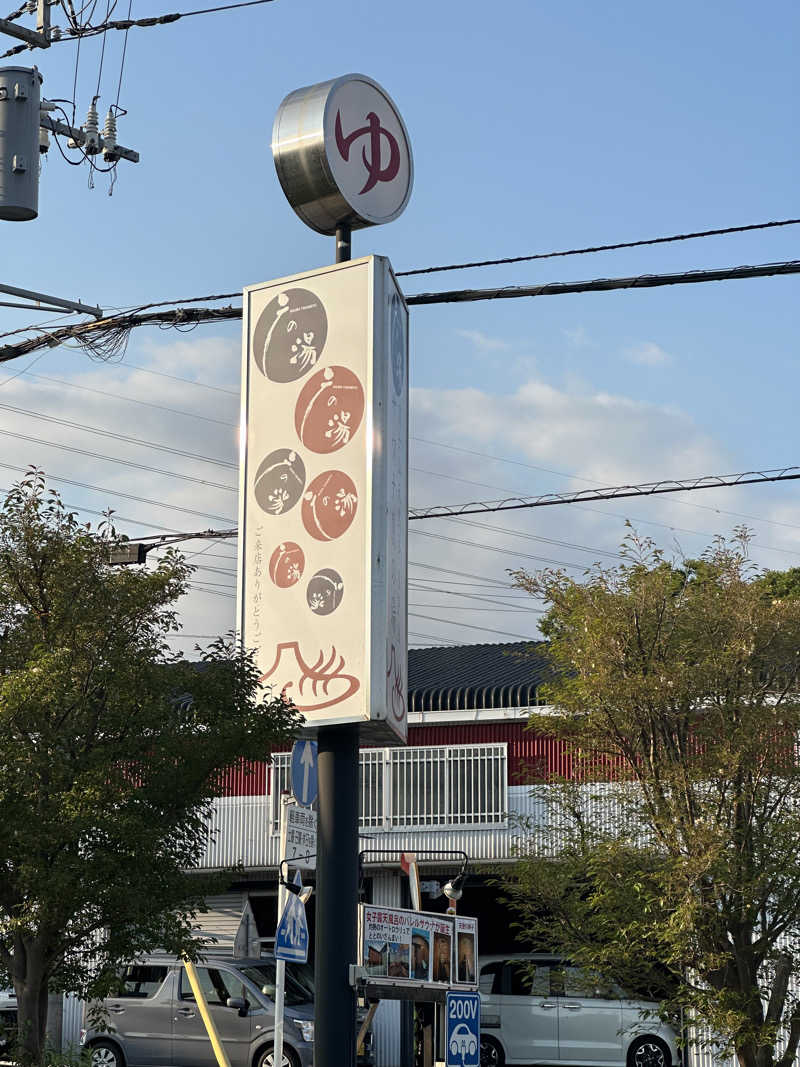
531	756
386	889
247	778
71	1023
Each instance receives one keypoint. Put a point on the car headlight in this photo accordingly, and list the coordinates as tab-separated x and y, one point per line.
82	1038
306	1028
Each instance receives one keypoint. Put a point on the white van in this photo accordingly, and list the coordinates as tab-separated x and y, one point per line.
537	1009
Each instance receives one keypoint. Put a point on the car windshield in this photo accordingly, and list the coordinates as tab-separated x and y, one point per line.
262	975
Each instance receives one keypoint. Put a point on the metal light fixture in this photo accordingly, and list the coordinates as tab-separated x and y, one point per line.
454	889
302	891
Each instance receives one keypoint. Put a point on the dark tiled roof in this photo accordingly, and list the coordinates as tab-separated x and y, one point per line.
476	676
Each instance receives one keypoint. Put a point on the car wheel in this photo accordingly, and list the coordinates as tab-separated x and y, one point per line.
106	1054
266	1057
491	1053
649	1052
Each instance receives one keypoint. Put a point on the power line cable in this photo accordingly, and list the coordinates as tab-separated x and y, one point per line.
113	435
469	626
595	481
120	462
783	474
121	494
119	396
124	53
126	24
601	248
496	548
90	335
598	285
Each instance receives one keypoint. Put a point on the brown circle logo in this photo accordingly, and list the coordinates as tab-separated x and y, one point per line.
329	505
286	564
279	481
329	409
290	335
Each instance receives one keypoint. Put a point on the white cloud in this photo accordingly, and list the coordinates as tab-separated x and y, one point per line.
577	336
647	354
483	342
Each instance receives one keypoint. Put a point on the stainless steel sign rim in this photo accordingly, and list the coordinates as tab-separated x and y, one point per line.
305	136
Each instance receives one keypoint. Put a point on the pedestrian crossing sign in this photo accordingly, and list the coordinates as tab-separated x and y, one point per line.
291	938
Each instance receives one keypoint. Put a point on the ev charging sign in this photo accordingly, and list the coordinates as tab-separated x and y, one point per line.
463	1029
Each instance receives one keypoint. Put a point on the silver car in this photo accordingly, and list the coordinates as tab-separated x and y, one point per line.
154	1021
538	1009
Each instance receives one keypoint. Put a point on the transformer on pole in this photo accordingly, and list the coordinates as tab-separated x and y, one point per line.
19	143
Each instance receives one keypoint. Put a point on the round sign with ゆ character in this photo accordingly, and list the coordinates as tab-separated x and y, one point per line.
329	409
286	564
325	591
290	335
329	505
279	481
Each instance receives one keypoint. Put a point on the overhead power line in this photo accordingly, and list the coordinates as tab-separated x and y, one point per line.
713	481
71	32
599	285
602	248
107	338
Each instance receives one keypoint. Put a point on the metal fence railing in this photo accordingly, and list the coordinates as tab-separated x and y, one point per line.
420	786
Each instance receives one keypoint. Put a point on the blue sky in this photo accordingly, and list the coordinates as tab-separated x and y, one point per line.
535	127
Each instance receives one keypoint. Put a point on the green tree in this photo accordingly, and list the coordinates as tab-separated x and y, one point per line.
109	751
676	690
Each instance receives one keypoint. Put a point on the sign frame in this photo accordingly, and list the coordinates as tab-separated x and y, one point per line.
414	930
378	592
471	1012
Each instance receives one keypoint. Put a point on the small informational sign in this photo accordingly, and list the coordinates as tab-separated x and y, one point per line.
414	947
466	950
463	1029
291	937
299	848
304	772
324	497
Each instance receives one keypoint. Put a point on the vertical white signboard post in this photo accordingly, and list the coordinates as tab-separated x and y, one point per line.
324	496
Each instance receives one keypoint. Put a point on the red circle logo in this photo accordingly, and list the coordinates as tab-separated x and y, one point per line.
329	505
286	564
329	409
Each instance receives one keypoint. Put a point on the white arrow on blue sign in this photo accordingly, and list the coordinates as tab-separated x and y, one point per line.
304	772
463	1029
291	937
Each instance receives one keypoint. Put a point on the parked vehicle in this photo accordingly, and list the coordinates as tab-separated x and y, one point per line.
154	1021
8	1020
539	1009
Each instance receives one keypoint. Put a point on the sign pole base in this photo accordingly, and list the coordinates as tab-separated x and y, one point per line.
337	897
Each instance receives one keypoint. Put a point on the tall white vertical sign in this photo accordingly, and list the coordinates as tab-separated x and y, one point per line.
324	493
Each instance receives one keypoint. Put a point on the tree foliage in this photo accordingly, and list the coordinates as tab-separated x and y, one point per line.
110	750
676	689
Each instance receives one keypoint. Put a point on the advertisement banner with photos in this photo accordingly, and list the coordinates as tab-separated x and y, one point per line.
417	947
324	496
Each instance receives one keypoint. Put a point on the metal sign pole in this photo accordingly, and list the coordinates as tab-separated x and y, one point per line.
355	171
280	965
337	897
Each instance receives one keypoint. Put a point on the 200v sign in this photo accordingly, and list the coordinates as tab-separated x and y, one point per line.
463	1029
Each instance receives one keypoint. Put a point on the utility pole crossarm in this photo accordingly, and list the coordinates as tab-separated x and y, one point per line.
22	33
79	137
52	301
